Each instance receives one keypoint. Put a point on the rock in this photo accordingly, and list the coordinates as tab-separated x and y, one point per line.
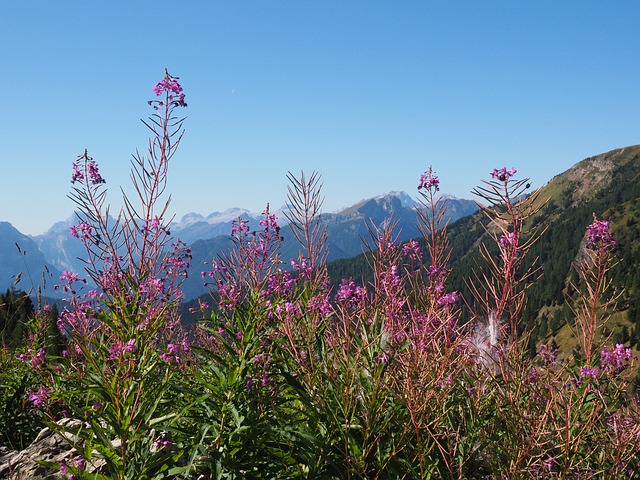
48	446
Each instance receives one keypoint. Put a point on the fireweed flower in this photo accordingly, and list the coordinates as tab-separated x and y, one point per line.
153	224
448	299
429	181
350	294
435	272
548	353
303	267
280	283
616	359
83	230
179	261
588	373
77	175
599	236
119	349
152	287
381	358
170	86
202	307
86	165
94	174
270	222
320	305
240	227
40	397
507	240
230	295
412	250
39	357
35	360
503	174
549	463
175	351
69	278
390	280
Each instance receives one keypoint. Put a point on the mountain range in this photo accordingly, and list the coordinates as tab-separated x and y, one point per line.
30	259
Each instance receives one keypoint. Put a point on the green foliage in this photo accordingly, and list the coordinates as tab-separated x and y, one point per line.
18	426
243	414
16	309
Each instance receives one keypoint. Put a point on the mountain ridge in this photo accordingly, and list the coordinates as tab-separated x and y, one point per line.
209	235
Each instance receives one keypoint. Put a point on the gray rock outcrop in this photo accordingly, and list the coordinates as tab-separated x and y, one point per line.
48	446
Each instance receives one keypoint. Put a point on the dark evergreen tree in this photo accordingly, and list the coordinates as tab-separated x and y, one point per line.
16	309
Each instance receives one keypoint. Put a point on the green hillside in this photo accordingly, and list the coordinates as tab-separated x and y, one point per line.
607	185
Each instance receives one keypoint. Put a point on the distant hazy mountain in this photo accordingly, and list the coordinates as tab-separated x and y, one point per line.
209	236
346	231
22	264
61	249
193	226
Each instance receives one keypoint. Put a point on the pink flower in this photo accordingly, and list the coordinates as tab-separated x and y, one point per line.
412	250
548	353
507	240
172	88
350	293
503	174
170	85
240	227
435	272
587	373
69	277
320	304
599	235
40	397
429	181
85	164
38	358
82	230
77	175
616	359
119	349
549	463
448	299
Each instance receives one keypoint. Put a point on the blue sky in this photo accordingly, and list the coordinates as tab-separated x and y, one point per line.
368	93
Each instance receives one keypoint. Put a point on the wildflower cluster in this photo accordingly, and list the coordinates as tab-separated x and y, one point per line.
429	181
502	174
615	360
172	90
86	169
287	377
82	230
350	294
599	236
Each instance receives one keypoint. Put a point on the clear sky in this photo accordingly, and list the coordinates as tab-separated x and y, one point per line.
368	93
